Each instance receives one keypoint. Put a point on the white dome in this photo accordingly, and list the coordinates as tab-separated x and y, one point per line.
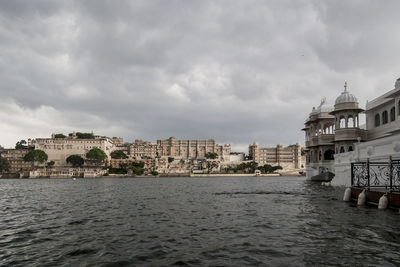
323	107
345	97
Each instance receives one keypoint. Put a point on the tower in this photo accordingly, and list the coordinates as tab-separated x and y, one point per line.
347	122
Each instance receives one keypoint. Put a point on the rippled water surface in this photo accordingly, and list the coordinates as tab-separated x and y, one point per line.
247	221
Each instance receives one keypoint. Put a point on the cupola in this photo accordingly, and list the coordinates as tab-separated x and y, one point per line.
346	97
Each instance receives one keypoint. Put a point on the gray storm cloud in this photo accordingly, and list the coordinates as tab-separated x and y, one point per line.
236	71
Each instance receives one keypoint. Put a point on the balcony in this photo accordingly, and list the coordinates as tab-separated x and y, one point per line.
345	134
323	139
326	139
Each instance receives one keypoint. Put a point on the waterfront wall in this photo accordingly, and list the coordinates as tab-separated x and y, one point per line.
376	150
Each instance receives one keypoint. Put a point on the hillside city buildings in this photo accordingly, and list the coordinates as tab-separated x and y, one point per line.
192	149
334	138
167	157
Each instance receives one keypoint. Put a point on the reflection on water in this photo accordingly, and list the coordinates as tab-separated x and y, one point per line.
244	221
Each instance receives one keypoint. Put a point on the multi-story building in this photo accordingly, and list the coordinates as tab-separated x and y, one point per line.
192	149
349	142
16	159
59	149
117	141
287	157
142	149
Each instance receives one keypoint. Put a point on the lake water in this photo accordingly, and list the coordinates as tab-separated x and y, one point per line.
245	221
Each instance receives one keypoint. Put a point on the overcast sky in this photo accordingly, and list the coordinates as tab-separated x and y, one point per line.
235	71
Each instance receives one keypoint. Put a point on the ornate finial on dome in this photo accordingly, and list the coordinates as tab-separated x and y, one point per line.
345	96
323	100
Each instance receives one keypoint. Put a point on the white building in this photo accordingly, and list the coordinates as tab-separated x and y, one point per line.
383	136
351	143
59	149
236	156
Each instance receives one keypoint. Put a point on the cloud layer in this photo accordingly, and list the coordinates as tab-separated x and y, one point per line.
235	71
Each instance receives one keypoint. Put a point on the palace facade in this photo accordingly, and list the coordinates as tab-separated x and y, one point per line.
59	149
334	137
192	149
287	157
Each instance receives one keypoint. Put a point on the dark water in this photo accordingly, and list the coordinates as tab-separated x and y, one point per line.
280	221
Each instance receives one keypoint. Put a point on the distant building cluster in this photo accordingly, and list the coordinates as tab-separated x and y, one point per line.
288	157
165	157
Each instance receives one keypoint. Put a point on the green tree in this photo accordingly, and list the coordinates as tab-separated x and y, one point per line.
170	159
275	168
96	154
211	155
118	154
4	165
137	168
60	135
75	160
50	164
84	135
211	165
36	155
21	145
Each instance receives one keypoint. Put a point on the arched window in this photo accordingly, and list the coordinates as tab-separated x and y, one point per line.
350	148
384	117
377	120
342	122
341	149
392	114
350	122
328	155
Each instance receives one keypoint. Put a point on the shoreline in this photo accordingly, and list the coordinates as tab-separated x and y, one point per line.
168	176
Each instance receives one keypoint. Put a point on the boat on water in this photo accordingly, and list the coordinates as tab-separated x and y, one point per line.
323	176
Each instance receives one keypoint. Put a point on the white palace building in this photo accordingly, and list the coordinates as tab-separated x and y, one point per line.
335	139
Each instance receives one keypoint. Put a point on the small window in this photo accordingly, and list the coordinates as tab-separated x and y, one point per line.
341	149
384	117
392	114
342	122
350	122
377	120
350	148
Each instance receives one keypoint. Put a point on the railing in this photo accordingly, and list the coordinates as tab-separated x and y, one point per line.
376	174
